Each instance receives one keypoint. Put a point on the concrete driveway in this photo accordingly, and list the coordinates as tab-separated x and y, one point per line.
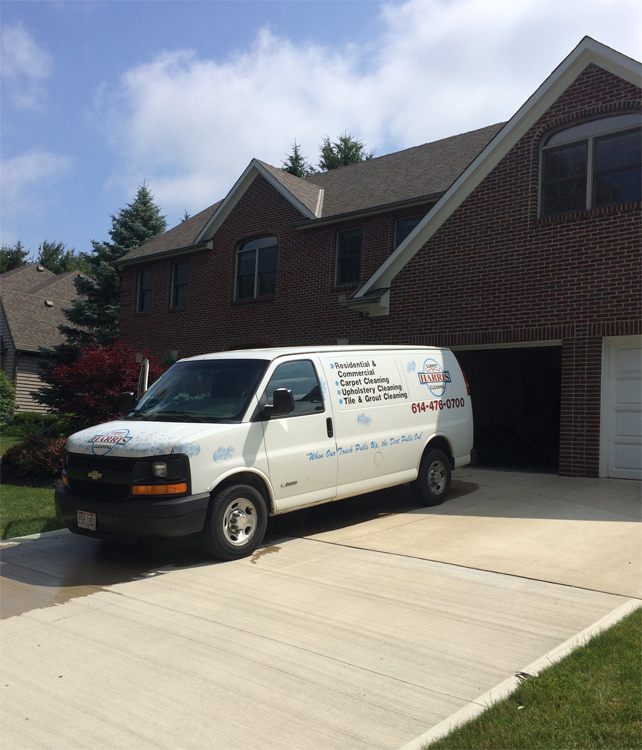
359	625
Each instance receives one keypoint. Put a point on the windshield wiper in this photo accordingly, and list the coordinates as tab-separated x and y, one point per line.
177	413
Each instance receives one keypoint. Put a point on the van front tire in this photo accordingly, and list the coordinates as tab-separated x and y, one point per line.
236	522
433	482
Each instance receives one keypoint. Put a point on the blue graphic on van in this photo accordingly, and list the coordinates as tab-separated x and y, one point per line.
223	454
411	366
434	377
364	420
190	449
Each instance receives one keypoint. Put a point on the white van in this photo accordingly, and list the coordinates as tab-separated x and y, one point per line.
222	441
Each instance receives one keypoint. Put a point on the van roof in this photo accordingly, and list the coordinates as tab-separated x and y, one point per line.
275	352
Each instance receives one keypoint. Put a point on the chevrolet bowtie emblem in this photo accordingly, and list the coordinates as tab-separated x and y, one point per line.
94	475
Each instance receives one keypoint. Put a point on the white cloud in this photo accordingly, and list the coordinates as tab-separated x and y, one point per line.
190	126
24	175
25	66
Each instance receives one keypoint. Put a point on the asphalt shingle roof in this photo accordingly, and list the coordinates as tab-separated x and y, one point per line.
414	173
25	293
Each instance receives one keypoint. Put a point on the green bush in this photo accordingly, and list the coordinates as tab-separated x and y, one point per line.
36	456
26	423
7	397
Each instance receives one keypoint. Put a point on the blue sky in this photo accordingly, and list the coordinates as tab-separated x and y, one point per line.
98	97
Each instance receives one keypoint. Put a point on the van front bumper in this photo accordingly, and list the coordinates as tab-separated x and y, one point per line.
134	518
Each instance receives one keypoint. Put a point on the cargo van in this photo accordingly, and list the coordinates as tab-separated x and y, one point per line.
223	441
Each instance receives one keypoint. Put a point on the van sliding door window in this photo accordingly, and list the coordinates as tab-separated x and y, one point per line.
301	378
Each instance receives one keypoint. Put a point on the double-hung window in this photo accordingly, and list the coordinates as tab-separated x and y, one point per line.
256	269
349	244
180	277
145	279
592	165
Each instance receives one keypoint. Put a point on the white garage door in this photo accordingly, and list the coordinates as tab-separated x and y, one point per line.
621	445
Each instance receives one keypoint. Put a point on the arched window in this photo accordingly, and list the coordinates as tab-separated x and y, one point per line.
592	165
256	268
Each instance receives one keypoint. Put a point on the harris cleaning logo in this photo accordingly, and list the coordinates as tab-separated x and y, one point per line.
434	377
102	444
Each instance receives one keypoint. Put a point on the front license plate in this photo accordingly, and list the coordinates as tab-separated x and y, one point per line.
86	520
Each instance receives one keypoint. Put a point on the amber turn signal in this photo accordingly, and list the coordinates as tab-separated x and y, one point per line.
159	489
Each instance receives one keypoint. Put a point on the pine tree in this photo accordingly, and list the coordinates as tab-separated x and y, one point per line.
345	150
296	163
55	257
12	257
99	312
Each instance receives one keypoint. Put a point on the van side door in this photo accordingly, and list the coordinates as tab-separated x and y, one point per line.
300	447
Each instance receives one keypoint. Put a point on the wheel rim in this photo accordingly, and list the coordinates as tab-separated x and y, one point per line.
239	521
437	477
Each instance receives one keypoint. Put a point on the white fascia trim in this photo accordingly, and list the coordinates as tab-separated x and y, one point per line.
587	51
237	192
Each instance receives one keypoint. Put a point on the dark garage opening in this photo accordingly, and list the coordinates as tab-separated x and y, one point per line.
516	395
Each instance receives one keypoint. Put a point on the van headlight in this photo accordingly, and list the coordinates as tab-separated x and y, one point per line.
159	469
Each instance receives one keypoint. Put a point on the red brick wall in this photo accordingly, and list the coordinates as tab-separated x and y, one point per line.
494	273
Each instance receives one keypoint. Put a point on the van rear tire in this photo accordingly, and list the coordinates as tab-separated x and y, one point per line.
433	482
235	523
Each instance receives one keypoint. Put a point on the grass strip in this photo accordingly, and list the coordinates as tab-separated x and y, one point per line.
590	700
6	441
27	510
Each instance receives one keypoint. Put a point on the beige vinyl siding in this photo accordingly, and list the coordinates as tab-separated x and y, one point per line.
27	380
9	357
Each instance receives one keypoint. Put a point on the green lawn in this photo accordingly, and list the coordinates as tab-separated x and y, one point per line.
26	510
6	441
591	699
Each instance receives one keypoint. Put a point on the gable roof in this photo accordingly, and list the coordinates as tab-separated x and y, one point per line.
371	298
23	278
424	171
35	310
414	175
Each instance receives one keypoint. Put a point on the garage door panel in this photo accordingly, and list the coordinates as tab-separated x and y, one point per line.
628	359
621	424
628	457
628	391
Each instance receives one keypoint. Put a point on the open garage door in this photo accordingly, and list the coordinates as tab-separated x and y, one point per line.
621	420
516	395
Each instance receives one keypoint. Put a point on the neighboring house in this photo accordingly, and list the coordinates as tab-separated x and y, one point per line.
517	245
32	303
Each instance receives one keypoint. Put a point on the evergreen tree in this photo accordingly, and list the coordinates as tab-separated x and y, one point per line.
345	150
99	312
55	257
12	257
296	163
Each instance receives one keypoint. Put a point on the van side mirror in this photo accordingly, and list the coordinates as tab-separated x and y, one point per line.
126	402
282	404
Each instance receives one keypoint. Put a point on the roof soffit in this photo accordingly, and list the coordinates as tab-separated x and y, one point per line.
587	52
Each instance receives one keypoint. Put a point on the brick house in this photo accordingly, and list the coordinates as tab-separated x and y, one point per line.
517	245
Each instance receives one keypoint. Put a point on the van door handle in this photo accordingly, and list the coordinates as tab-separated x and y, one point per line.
328	424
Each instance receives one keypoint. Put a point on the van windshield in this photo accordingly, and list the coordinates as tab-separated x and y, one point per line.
208	390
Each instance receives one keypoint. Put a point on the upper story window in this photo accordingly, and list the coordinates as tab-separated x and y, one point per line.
403	227
145	279
180	277
592	165
349	244
256	268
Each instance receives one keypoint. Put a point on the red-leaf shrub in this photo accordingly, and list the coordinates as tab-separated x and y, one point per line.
88	387
36	456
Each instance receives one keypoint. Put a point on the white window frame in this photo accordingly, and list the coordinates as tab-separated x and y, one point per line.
586	131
